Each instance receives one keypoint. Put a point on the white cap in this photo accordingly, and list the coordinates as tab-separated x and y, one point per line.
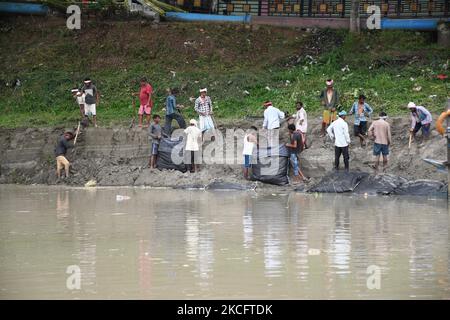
411	105
204	90
193	121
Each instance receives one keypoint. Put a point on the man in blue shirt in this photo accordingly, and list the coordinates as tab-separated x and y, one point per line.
362	111
171	114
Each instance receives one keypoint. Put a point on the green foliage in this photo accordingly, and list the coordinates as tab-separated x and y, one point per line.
241	68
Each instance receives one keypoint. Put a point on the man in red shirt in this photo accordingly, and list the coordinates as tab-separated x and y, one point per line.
146	103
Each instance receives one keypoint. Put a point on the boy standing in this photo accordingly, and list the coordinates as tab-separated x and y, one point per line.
155	132
194	134
250	140
146	103
361	109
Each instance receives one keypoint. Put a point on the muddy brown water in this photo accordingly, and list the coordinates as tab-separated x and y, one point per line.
206	244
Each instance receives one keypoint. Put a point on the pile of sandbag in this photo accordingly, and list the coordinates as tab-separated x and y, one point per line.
386	184
167	148
271	166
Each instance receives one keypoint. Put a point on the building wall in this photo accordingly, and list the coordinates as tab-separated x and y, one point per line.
334	8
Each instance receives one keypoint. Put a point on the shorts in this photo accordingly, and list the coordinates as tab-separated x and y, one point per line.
145	109
155	147
247	161
360	128
380	149
61	162
329	116
89	109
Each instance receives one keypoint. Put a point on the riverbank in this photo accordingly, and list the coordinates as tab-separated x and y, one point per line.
119	157
240	66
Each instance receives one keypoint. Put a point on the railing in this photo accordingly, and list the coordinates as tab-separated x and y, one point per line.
337	8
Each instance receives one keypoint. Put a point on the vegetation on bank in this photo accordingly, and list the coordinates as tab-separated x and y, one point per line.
241	66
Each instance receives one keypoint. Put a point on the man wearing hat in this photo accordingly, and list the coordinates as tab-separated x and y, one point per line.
203	106
91	99
329	98
193	135
420	120
60	153
338	130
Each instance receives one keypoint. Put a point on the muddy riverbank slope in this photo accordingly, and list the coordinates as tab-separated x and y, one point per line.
119	157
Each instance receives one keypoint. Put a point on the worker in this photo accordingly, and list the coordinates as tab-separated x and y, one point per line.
62	146
380	132
329	99
420	120
271	123
203	106
362	111
338	130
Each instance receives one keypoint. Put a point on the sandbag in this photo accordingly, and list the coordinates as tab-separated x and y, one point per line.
339	182
272	166
422	188
165	149
380	184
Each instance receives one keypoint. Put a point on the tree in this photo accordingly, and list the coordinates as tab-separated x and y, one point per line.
354	17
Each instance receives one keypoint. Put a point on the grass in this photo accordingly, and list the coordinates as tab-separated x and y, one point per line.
283	65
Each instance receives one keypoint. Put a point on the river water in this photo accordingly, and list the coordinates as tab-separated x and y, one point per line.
209	244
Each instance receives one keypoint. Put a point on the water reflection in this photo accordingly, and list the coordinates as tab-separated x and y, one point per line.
191	244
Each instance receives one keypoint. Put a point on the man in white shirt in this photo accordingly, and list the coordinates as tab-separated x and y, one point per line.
79	97
338	130
301	121
272	117
193	136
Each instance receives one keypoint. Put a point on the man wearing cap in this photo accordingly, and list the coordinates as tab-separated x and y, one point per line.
329	99
203	106
272	117
60	153
145	99
380	131
420	120
193	135
338	130
362	111
301	121
91	99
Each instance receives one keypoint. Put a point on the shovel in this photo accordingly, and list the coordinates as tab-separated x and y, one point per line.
76	135
133	120
410	140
